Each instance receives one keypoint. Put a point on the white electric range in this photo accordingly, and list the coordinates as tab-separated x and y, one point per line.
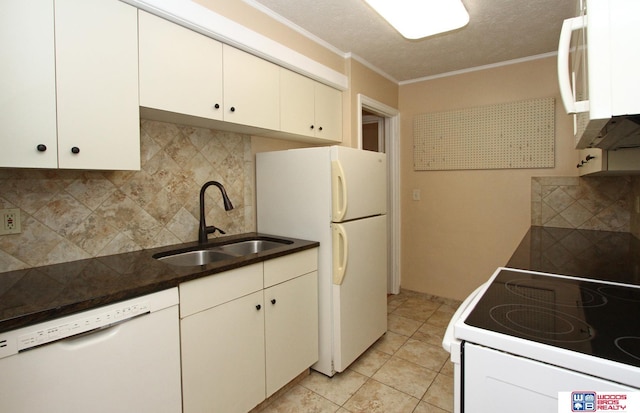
524	336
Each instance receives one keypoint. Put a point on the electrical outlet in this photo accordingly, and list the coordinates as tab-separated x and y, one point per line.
10	221
416	195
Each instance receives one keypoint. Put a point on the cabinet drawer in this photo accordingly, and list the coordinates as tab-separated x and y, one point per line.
207	292
290	266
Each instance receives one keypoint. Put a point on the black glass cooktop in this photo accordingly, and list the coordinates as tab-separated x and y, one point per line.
598	319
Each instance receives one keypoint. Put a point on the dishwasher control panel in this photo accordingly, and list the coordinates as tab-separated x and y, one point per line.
29	337
79	326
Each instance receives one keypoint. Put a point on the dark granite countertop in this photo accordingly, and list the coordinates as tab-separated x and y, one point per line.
39	294
602	255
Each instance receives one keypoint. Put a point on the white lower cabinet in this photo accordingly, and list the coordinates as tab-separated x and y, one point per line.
247	332
223	361
291	329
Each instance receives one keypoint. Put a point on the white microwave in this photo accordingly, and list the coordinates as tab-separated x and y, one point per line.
599	73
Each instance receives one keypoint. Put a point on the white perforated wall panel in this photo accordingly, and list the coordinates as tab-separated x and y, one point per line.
505	136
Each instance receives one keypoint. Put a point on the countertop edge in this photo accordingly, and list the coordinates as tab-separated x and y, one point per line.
170	277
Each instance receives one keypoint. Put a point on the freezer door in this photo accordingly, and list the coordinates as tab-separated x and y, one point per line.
358	183
360	292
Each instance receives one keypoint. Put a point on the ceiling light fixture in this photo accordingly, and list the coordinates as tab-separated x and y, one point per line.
415	19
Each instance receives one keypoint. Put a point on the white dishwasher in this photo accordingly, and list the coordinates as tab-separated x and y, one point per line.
123	357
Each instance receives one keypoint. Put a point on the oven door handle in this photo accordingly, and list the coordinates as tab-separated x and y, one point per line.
449	338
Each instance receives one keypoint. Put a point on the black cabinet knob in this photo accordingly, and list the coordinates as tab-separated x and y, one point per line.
320	128
41	148
258	307
75	149
273	301
233	109
311	126
217	106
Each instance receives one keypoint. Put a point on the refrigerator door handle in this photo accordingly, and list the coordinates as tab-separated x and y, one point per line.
340	253
339	191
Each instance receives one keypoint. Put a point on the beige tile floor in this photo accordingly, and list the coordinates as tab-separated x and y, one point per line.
406	371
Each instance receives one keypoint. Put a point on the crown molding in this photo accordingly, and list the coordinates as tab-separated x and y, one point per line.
478	68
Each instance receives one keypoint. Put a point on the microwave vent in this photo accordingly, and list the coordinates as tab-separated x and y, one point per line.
619	133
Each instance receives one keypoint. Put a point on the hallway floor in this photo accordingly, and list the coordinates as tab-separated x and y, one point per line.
406	371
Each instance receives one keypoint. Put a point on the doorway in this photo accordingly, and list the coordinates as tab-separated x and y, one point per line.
373	135
378	130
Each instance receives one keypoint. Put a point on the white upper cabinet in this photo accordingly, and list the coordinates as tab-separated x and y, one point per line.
309	108
222	341
251	90
84	55
97	84
27	82
297	106
328	102
180	70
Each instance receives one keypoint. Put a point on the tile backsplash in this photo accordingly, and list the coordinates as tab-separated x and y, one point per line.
596	203
69	215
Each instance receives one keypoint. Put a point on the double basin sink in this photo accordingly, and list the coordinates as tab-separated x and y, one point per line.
212	254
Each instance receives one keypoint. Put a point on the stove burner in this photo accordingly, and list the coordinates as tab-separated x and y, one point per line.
554	292
621	293
629	345
541	323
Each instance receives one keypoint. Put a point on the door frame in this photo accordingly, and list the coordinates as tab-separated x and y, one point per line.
392	149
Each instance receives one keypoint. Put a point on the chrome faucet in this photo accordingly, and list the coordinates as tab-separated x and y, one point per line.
204	229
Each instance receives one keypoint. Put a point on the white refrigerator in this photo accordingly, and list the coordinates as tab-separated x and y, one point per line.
337	196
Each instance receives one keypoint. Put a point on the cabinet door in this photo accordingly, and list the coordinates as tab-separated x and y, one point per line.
297	106
223	357
291	329
251	90
97	84
180	70
328	105
27	82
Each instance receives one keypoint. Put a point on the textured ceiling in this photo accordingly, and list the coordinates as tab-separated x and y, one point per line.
498	31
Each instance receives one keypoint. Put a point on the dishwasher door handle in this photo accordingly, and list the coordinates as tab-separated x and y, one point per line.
89	337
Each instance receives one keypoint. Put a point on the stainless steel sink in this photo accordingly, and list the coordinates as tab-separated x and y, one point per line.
212	254
194	258
253	246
